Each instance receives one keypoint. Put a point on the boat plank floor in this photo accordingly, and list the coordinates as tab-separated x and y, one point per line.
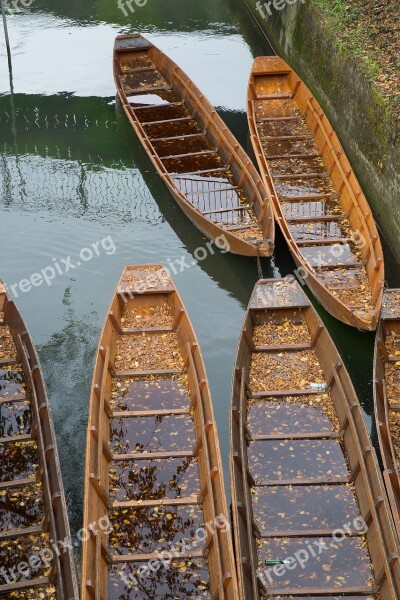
288	417
319	460
303	508
154	479
336	565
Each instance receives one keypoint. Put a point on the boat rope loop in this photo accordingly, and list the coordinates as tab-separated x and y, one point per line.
259	267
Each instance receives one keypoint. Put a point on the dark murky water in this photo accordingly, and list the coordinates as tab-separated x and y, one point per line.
72	174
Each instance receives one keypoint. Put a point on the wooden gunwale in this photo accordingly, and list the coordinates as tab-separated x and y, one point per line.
359	457
388	441
342	178
210	497
53	520
222	143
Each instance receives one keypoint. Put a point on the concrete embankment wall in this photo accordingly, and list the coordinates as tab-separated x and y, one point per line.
359	114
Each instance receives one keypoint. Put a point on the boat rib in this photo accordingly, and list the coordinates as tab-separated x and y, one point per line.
33	512
387	396
317	200
311	517
209	175
153	464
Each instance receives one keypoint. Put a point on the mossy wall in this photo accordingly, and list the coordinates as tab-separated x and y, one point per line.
359	114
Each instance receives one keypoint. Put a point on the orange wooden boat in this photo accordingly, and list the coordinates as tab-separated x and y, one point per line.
153	464
311	516
207	172
316	197
36	555
387	396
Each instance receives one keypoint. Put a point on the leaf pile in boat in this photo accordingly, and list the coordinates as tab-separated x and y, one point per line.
148	351
394	424
288	332
392	376
151	316
284	371
8	349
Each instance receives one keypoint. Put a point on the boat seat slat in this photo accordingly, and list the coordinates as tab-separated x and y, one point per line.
306	197
4	485
303	481
302	176
149	413
305	533
131	70
223	189
149	90
9	361
325	242
178	137
277	119
189	500
18	398
189	154
147	373
162	106
122	558
25	583
177	120
315	219
287	96
155	330
290	156
239	227
282	348
282	393
227	210
23	437
153	455
13	533
187	175
297	436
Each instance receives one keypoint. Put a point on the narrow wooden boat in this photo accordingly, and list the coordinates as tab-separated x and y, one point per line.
387	396
311	517
207	172
36	556
317	200
153	464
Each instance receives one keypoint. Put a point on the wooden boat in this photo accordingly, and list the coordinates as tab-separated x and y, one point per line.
198	158
33	512
387	396
317	200
303	469
153	464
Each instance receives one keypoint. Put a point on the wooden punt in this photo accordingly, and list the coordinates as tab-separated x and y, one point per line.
153	464
208	173
303	468
33	512
317	200
387	396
